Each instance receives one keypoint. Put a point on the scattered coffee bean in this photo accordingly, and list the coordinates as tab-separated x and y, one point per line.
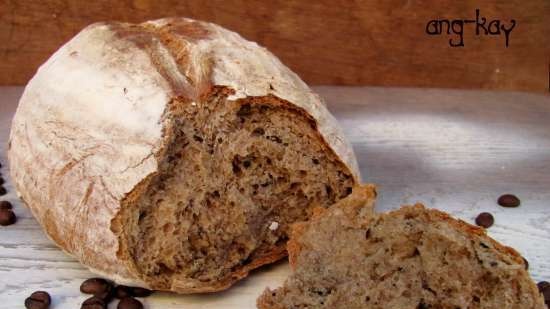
485	220
93	303
38	300
140	292
5	205
122	291
129	303
7	217
96	286
35	304
1	180
106	295
543	285
43	296
544	288
508	200
3	190
526	263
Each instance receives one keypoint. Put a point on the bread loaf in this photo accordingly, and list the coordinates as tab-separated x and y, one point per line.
173	154
411	258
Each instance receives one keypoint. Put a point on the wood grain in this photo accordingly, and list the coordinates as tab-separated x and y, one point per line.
453	150
325	42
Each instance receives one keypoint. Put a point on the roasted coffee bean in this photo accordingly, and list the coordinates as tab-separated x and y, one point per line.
3	190
106	295
140	292
38	300
122	291
5	205
1	180
42	296
94	303
7	217
544	288
129	303
96	286
485	220
508	200
35	304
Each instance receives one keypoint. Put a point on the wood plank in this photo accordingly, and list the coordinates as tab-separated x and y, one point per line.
325	42
451	149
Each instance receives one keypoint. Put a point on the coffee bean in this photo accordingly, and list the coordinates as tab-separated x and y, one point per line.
526	263
3	190
106	295
543	285
5	205
508	200
7	217
96	286
485	220
42	296
544	288
34	304
129	303
140	292
1	180
93	303
38	300
122	291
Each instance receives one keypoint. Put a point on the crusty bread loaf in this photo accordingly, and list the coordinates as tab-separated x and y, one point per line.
411	258
173	154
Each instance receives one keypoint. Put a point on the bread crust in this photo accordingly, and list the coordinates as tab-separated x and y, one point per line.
91	128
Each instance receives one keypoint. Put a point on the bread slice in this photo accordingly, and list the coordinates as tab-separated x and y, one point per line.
411	258
173	154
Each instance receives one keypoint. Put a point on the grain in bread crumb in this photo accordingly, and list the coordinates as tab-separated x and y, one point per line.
274	226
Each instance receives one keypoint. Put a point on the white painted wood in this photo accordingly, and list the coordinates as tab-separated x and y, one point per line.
453	150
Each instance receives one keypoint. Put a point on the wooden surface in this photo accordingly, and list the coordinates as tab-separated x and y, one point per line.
453	150
346	42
